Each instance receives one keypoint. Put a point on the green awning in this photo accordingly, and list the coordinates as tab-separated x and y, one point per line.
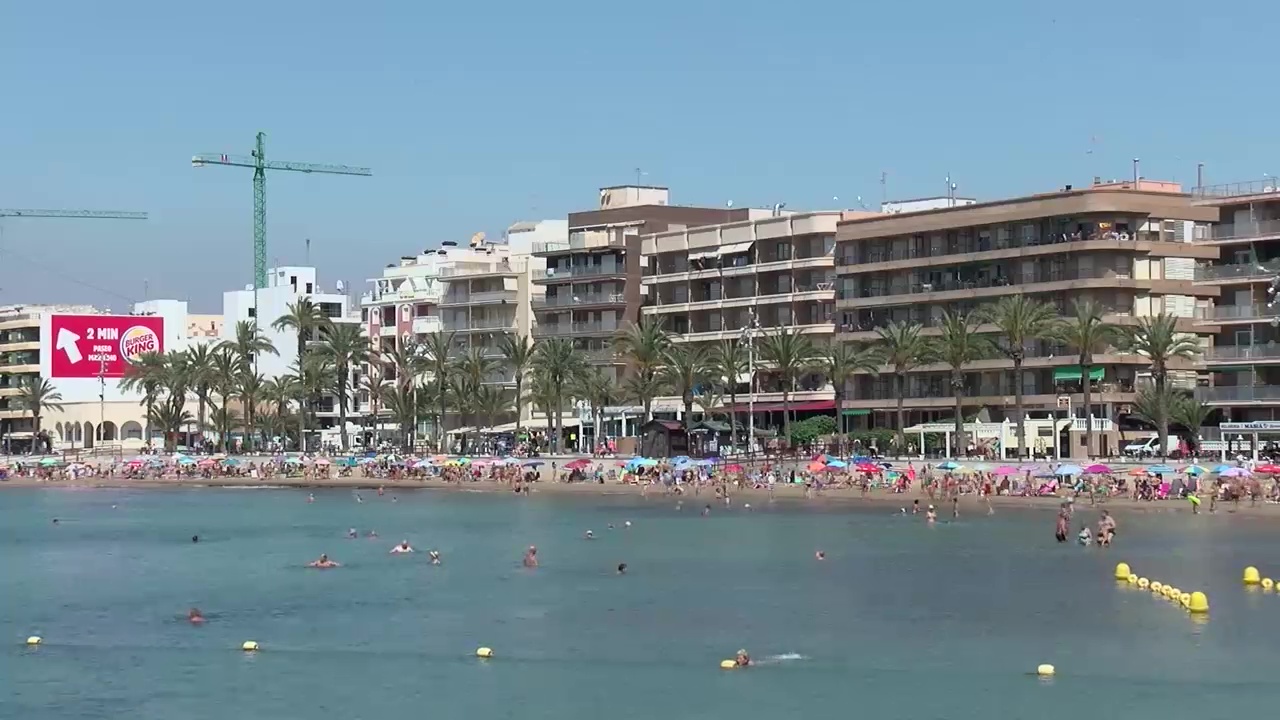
853	412
1073	373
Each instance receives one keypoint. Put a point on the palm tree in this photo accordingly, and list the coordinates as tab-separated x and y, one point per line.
1021	320
200	376
545	397
643	385
249	390
248	344
170	418
225	419
840	362
558	362
599	391
958	345
344	345
490	402
147	376
1190	414
902	347
432	356
518	355
1158	338
401	402
731	360
37	395
789	355
223	383
279	392
685	368
374	385
303	317
1087	333
643	345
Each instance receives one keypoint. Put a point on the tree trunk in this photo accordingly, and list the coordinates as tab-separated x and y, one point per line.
688	412
840	429
200	420
1162	427
342	408
786	413
559	418
1085	382
519	397
957	388
733	416
1022	413
902	415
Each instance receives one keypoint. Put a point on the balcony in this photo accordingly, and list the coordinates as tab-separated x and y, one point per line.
1235	353
579	242
569	301
1239	394
876	293
1238	272
864	254
572	273
1228	313
579	328
1232	190
482	324
499	267
1245	231
478	298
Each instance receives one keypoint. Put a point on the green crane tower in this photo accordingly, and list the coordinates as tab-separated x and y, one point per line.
258	161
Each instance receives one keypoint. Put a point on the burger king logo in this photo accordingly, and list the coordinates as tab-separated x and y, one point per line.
138	340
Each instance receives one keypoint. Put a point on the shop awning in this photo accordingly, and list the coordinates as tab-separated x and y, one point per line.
732	248
805	406
1073	373
702	255
851	412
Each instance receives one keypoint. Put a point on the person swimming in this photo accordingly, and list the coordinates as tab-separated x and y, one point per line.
589	536
930	515
311	497
434	556
622	568
372	534
195	538
819	555
194	616
403	547
531	557
323	563
352	534
1084	537
742	659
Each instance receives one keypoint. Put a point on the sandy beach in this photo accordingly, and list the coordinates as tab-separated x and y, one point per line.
840	497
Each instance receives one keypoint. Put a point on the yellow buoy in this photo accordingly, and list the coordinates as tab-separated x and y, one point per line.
484	652
1172	592
1122	571
249	646
1185	599
1045	670
1133	579
35	640
728	664
1251	575
1198	602
1144	583
1268	584
1156	586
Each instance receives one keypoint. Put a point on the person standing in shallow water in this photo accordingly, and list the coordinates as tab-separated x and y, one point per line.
531	557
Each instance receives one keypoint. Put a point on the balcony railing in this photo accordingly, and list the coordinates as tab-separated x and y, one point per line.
1238	189
578	241
480	325
1245	230
1239	393
479	298
974	245
558	329
565	273
572	300
1243	312
1243	352
948	285
504	267
1239	271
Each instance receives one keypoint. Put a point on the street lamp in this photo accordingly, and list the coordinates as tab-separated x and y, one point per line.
748	336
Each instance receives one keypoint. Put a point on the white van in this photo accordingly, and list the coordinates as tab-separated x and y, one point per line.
1150	447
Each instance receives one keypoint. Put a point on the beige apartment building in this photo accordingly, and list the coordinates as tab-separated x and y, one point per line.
19	363
1243	363
705	284
1129	249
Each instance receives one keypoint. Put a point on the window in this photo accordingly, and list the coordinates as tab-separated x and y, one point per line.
253	312
308	288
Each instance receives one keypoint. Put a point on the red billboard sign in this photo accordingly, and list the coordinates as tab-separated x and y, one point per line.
89	346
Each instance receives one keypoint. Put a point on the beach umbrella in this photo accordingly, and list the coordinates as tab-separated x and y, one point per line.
293	461
348	462
1194	470
1162	469
1067	470
1222	468
949	465
706	461
734	468
580	464
1268	469
322	461
861	458
46	462
366	461
1235	472
867	468
1005	470
835	463
231	461
817	466
533	463
1098	469
207	462
1138	472
423	463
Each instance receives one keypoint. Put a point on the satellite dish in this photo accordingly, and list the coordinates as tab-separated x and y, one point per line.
477	240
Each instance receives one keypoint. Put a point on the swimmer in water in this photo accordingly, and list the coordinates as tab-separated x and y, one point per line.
820	555
706	510
372	535
195	538
434	555
746	506
622	568
352	534
531	557
358	498
379	492
627	524
311	497
394	499
194	616
679	505
742	659
403	547
55	521
589	536
931	515
323	563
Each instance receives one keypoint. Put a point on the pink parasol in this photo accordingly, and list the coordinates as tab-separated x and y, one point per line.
1005	470
1098	469
817	466
579	464
734	468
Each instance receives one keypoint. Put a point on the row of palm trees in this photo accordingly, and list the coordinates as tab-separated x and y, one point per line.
424	380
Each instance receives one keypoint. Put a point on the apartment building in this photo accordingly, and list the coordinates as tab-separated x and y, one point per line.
748	279
19	363
1126	246
1243	363
592	279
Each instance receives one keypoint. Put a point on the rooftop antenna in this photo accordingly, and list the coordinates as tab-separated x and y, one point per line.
639	174
307	255
884	186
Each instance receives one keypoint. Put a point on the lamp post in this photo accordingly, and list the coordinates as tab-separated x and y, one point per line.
102	400
748	336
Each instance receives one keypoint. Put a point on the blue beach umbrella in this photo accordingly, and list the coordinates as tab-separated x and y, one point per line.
1222	468
948	465
186	461
534	463
1162	469
836	463
1066	470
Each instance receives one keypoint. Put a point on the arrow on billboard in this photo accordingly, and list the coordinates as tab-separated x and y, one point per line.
67	343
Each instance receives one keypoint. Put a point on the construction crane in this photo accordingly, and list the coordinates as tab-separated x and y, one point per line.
73	214
258	161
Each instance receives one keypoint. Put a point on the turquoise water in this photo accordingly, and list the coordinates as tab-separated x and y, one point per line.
902	620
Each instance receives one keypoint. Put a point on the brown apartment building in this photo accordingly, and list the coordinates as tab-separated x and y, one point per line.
593	280
1127	248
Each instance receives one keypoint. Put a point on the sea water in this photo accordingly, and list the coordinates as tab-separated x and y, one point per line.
902	620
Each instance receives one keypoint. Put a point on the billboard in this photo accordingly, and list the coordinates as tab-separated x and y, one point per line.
92	346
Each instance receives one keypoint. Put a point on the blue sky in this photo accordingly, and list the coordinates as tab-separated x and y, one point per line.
474	115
